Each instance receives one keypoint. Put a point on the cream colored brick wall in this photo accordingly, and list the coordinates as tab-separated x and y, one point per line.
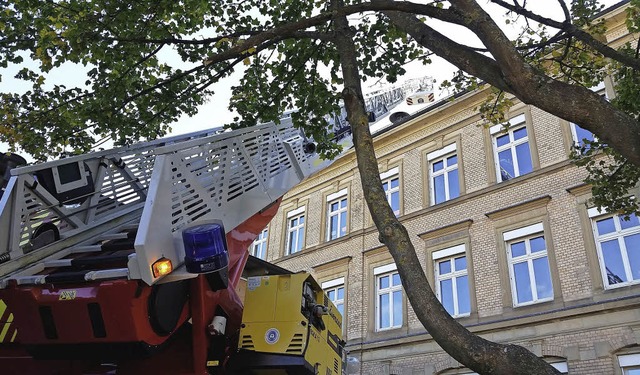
474	159
548	137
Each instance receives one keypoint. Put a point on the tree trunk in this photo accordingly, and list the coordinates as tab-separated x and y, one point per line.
476	353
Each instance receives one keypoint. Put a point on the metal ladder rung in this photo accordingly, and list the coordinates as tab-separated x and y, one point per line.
113	236
121	256
57	263
74	276
86	249
130	226
107	274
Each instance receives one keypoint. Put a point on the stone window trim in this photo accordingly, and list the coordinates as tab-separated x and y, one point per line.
330	198
462	226
390	167
387	178
525	236
455	274
332	290
374	259
447	144
512	218
519	167
490	132
260	245
295	228
582	193
449	241
332	274
443	156
629	362
388	271
619	234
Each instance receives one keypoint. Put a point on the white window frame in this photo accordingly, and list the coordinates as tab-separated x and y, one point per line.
619	234
379	272
259	245
334	285
450	254
337	198
526	234
387	178
436	156
298	229
496	131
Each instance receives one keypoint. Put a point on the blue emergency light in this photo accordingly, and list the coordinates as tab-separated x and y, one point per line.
205	248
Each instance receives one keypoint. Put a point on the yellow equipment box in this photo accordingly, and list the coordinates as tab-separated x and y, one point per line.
289	326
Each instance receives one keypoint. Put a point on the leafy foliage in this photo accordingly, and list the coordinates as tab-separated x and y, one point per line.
299	55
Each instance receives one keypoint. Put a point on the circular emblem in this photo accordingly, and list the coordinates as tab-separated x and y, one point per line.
272	336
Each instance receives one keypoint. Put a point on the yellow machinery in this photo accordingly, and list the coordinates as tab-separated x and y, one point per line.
289	327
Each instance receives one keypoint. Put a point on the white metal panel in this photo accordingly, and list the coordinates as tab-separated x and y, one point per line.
595	211
227	177
521	232
332	283
336	195
514	121
459	249
385	269
390	173
627	360
296	212
443	151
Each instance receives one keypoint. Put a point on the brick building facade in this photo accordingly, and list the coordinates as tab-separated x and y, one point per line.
505	232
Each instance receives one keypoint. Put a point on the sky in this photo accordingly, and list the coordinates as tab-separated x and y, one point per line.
215	113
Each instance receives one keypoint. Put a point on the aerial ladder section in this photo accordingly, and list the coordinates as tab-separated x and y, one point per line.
102	267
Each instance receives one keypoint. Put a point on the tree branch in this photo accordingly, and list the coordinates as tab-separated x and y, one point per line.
463	57
475	352
580	34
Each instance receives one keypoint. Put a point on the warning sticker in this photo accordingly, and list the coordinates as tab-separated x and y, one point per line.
67	295
253	283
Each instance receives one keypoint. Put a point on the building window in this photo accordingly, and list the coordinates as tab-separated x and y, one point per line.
630	364
388	298
561	367
511	149
618	244
335	292
391	186
337	215
528	265
452	280
444	183
295	230
259	246
581	136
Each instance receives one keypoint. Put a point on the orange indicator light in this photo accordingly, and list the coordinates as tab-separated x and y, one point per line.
162	267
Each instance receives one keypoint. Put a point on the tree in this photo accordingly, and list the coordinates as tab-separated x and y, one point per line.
296	52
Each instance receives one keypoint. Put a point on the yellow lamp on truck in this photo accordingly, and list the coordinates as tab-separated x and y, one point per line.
162	267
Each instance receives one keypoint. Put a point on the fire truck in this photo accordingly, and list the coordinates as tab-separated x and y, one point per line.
134	261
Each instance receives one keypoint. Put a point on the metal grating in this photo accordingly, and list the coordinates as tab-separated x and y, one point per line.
247	342
296	346
118	180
